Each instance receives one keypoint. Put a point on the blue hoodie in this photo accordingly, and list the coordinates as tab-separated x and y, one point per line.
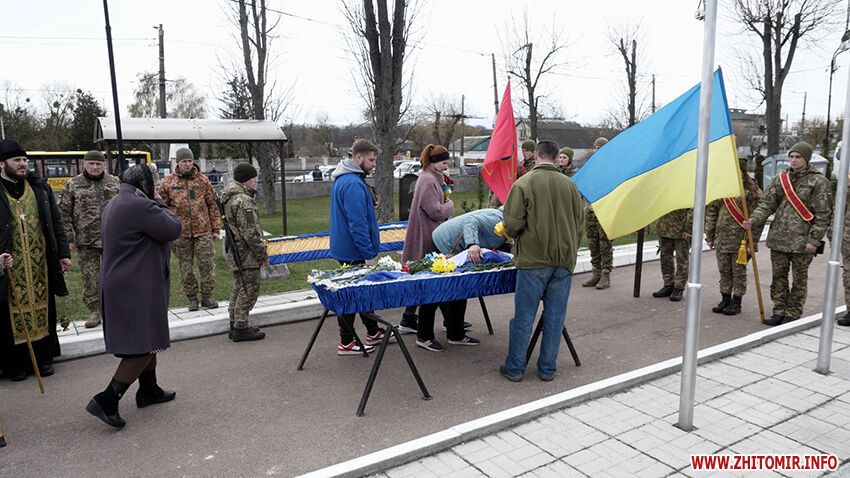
354	227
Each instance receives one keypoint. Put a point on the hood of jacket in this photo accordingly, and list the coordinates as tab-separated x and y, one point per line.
235	188
347	166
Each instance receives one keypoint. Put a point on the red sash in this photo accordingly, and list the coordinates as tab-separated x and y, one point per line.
734	211
793	199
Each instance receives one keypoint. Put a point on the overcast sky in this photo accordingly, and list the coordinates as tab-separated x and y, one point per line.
44	41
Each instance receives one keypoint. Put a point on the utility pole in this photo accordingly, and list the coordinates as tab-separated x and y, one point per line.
495	85
462	126
2	129
803	120
162	111
653	93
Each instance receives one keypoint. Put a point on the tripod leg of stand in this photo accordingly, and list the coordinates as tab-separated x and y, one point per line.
407	357
373	374
486	315
534	338
572	349
312	339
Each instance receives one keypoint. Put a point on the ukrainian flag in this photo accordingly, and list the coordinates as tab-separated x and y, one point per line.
649	169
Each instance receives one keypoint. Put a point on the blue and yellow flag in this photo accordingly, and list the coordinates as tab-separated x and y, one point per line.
649	169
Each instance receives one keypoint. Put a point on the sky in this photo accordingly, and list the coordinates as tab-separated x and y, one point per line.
48	41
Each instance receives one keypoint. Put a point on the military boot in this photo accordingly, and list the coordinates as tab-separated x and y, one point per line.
94	320
594	279
208	303
734	307
604	281
664	291
193	304
247	334
676	295
718	309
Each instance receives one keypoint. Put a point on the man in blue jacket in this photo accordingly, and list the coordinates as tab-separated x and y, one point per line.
355	238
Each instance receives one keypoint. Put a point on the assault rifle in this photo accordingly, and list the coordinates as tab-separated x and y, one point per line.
230	243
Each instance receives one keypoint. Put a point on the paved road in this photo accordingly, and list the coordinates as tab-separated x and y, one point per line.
243	409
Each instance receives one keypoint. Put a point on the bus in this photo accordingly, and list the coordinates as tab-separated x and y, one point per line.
57	167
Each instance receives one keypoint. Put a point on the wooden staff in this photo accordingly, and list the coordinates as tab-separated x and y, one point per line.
20	309
749	232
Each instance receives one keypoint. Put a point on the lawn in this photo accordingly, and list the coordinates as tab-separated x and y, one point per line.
304	216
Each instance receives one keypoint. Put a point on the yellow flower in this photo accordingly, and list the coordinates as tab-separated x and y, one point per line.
442	265
499	230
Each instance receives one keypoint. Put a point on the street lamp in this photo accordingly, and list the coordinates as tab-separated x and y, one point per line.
2	129
844	46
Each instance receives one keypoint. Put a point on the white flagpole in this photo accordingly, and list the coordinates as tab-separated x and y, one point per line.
834	265
692	314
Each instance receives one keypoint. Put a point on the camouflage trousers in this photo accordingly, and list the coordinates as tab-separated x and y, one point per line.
601	249
674	271
200	250
789	301
89	261
733	276
243	298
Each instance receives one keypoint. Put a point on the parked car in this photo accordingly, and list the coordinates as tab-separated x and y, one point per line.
308	177
775	164
407	167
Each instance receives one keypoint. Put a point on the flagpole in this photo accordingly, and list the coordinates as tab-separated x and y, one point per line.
834	265
692	317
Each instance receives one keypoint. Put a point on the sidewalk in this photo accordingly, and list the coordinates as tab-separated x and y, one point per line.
760	400
276	309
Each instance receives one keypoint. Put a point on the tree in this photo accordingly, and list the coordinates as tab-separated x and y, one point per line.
20	121
437	122
182	99
236	104
529	69
625	41
379	46
59	99
83	123
779	25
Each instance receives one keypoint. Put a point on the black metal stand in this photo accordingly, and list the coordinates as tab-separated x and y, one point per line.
486	315
536	336
390	330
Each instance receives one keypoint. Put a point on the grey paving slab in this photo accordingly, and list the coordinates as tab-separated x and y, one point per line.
557	469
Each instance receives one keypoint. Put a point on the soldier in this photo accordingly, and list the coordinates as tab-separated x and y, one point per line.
82	201
801	202
240	214
674	232
845	254
724	232
565	161
189	194
601	249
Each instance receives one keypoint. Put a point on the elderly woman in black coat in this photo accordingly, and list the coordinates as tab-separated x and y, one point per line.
137	230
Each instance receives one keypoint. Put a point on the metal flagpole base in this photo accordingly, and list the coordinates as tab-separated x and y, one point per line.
828	319
689	358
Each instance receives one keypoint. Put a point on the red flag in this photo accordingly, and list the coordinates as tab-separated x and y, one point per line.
500	163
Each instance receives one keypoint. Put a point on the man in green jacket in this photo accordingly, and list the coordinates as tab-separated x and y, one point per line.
545	215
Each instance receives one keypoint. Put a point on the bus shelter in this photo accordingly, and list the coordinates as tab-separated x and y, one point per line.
181	130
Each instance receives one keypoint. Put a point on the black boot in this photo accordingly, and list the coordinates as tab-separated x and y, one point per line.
247	334
734	307
775	320
676	295
664	291
104	405
149	392
718	309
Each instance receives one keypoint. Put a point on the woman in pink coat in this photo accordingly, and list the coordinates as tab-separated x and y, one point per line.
431	207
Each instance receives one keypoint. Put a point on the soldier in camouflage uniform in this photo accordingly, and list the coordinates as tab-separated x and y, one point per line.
724	235
601	248
674	232
189	194
243	220
82	201
565	161
845	254
792	240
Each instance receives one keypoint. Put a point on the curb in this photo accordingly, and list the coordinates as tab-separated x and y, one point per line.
436	442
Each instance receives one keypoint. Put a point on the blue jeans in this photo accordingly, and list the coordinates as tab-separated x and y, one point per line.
552	285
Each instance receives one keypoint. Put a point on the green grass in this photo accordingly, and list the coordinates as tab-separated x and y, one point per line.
303	216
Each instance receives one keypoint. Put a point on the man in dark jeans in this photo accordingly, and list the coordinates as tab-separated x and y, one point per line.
355	239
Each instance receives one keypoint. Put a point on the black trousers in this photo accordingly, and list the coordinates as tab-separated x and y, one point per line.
346	321
453	315
16	357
